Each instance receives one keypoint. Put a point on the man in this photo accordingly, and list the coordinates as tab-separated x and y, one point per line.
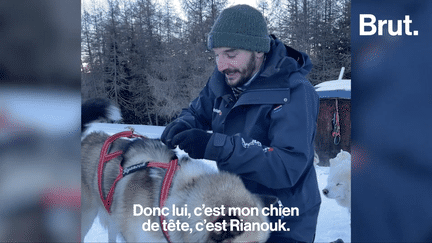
262	112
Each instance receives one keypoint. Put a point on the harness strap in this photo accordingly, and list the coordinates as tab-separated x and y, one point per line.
171	168
104	158
166	185
336	128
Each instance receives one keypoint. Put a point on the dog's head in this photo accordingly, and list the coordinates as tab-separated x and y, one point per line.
337	189
339	179
220	208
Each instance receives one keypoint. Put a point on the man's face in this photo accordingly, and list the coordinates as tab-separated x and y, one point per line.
237	65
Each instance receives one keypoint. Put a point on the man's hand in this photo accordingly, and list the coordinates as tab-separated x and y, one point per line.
170	131
193	141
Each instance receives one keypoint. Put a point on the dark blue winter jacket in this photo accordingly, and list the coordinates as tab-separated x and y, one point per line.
267	135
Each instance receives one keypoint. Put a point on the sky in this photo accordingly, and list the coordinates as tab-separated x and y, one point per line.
249	2
230	2
177	3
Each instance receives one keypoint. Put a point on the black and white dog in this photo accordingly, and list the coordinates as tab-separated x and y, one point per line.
99	110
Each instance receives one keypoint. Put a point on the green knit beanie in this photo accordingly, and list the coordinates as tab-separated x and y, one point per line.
240	27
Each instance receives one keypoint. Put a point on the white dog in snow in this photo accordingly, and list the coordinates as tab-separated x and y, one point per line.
339	180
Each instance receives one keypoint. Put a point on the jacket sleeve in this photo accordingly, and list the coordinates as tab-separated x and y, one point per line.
290	154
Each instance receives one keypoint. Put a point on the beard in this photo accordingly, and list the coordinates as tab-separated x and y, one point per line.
238	77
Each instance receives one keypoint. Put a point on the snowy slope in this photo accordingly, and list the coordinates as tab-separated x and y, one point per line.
333	220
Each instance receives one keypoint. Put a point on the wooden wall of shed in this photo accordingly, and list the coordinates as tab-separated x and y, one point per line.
324	141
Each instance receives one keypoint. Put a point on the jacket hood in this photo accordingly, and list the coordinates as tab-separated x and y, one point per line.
282	60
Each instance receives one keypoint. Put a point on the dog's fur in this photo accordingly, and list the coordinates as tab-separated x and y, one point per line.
99	110
339	180
316	158
194	184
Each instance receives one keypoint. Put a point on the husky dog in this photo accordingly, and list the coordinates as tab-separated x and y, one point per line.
339	180
195	187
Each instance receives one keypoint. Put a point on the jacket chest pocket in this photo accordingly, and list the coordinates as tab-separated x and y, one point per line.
217	119
252	121
220	112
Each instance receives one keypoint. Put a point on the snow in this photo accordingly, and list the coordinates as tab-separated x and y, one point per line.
340	88
340	84
52	111
334	221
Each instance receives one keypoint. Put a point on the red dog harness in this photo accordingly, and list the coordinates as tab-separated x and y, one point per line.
171	167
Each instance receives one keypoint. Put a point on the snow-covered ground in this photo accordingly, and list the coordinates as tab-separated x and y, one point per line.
334	221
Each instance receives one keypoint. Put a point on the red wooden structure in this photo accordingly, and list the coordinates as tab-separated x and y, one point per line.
334	119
